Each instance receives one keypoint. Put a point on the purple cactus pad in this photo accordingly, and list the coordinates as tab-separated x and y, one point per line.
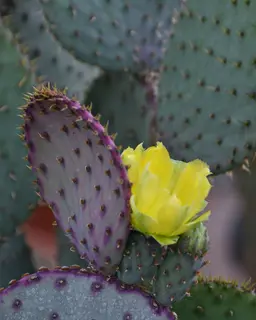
75	294
80	175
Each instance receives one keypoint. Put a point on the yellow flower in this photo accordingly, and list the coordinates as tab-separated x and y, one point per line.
168	196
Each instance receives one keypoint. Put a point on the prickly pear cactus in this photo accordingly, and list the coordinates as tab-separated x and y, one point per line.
15	259
113	34
80	175
217	299
73	294
55	65
175	276
141	260
122	100
206	92
180	267
17	195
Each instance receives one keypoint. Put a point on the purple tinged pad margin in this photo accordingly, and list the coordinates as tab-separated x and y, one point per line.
80	175
75	294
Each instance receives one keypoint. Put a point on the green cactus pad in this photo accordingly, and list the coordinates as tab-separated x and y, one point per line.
207	91
113	34
73	294
53	63
217	299
121	100
141	260
15	259
175	276
16	192
67	254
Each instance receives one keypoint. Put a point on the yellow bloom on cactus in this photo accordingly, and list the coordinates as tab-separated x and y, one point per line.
168	196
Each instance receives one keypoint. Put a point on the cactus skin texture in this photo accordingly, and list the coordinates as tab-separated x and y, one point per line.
207	92
80	175
214	299
17	195
165	272
15	259
66	254
56	65
74	294
175	276
141	260
180	267
113	35
121	99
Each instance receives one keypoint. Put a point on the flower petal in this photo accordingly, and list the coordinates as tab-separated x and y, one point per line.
165	241
142	222
158	160
192	178
185	227
170	216
132	159
146	192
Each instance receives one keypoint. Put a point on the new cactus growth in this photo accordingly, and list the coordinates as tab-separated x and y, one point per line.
80	175
195	241
15	259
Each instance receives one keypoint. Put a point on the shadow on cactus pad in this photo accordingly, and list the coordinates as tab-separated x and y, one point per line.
17	196
121	99
73	294
66	254
15	259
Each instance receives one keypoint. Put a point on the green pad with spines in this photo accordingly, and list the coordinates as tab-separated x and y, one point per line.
15	259
121	99
207	106
16	192
66	253
53	63
73	294
178	271
113	34
141	260
217	299
175	276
